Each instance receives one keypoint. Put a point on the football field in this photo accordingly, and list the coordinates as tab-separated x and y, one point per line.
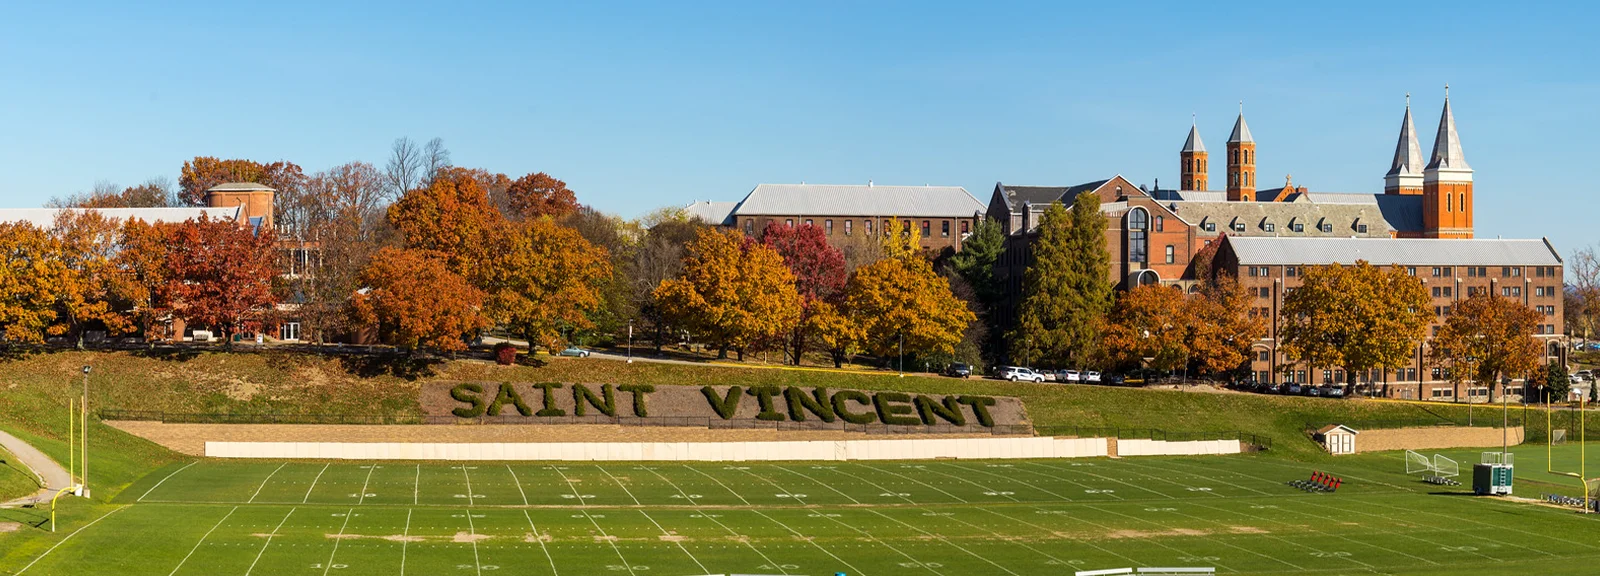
861	518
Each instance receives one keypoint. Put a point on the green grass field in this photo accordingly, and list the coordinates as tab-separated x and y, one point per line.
863	518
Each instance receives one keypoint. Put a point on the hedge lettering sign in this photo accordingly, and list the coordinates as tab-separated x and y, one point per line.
552	400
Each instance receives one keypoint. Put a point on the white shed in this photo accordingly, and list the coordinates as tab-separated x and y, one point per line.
1338	439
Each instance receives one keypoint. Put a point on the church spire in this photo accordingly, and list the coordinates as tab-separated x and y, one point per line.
1193	144
1241	131
1447	153
1193	161
1241	161
1447	183
1405	174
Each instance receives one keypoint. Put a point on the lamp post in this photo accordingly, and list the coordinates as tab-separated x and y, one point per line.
902	337
630	340
85	436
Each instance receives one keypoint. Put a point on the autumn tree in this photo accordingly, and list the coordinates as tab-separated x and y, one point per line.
451	216
337	228
205	172
540	194
659	257
221	274
154	193
1487	338
1582	292
1148	326
542	280
142	259
819	277
900	298
414	301
1065	291
86	243
31	272
1221	326
734	292
620	239
1358	317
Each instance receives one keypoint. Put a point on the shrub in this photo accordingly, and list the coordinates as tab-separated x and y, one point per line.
505	354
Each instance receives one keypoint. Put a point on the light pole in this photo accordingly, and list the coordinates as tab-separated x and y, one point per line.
630	340
85	436
902	336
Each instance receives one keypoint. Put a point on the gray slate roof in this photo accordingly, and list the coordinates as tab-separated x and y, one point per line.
1241	131
866	200
1039	196
46	217
1193	144
1447	153
1407	154
711	212
1382	251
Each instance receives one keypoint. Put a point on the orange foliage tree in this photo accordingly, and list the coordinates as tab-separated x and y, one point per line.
1488	337
31	272
1222	327
204	172
87	245
452	217
221	274
902	297
414	301
1356	317
734	292
541	194
1148	325
142	259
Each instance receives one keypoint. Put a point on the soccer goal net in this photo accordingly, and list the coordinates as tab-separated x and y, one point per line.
1418	464
1445	467
1558	436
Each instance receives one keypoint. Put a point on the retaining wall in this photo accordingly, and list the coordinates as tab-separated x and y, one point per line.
1435	437
959	448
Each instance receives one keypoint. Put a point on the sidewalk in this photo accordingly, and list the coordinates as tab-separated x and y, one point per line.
52	474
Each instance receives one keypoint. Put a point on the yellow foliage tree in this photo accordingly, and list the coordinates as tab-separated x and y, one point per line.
903	297
542	280
31	272
1148	326
1357	317
88	246
901	240
733	292
1488	338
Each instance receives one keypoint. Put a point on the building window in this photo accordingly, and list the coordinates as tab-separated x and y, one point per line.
1238	226
944	229
927	229
1411	270
1291	271
808	222
1449	203
1138	228
1446	291
1327	228
1436	271
749	227
1172	254
1209	226
846	227
1270	227
1263	356
1361	228
1161	224
1264	292
788	222
966	227
867	226
289	331
1436	292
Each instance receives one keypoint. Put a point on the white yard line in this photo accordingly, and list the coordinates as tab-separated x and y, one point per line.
314	483
470	495
1439	528
164	480
885	489
719	483
814	481
405	539
702	514
69	537
1272	536
340	538
1195	475
264	483
1089	543
945	540
364	483
274	534
202	541
1157	541
664	532
904	477
524	493
582	507
1128	484
813	543
1019	481
472	532
802	502
625	489
990	491
1065	479
542	547
416	485
1322	518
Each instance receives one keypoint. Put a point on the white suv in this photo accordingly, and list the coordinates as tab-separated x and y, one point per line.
1014	373
1091	376
1068	376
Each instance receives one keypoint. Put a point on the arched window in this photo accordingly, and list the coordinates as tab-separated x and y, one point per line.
1449	203
1161	224
1138	235
1463	201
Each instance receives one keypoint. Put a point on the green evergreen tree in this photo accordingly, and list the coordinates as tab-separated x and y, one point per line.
975	261
1046	312
1090	289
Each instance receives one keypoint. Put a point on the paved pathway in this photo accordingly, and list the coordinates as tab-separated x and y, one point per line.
55	477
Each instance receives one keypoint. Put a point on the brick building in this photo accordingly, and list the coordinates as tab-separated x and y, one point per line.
1529	271
852	213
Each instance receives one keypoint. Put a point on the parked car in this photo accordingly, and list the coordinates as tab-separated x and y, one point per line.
1068	376
1574	379
1112	379
575	352
1333	392
958	370
1587	375
1091	376
1294	389
1017	373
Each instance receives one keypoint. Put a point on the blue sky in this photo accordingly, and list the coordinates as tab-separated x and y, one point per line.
644	105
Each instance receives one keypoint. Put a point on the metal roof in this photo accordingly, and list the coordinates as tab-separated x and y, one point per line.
1241	131
1193	144
711	212
1407	154
1382	251
46	217
865	200
240	187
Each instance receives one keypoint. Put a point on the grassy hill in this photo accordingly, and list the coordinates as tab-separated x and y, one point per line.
15	479
36	390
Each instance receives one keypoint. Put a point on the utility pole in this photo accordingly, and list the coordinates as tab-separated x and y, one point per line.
85	436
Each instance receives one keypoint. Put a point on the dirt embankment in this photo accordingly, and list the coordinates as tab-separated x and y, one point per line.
1433	438
191	438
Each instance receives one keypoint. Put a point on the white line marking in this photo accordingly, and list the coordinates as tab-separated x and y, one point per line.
540	538
809	540
274	533
990	490
798	498
746	541
1022	482
69	537
1321	518
902	476
942	539
264	483
1157	541
336	541
582	507
524	493
1130	485
164	480
405	539
416	485
470	495
1090	543
664	532
202	541
625	490
719	483
314	483
814	481
473	532
364	483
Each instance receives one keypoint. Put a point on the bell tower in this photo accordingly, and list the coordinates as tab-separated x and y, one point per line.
1447	183
1193	158
1404	176
1241	162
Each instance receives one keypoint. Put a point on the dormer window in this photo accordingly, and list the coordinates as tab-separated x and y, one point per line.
1361	228
1269	227
1327	228
1238	226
